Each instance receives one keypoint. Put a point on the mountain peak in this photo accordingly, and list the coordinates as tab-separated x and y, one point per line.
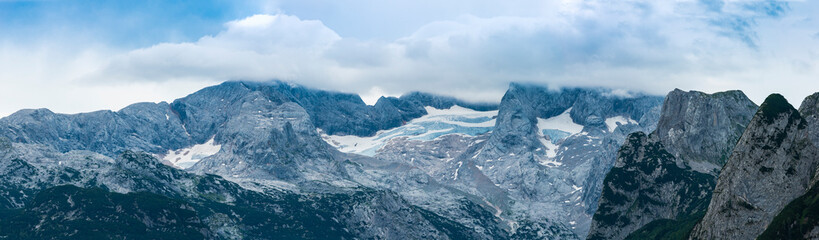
703	127
772	164
774	106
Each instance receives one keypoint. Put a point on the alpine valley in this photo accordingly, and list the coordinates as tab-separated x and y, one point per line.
276	160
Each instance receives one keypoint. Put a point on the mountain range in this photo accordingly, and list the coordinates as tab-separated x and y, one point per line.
262	160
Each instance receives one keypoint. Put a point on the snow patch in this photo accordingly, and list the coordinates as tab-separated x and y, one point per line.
576	188
551	153
187	157
551	148
613	122
457	170
549	163
562	122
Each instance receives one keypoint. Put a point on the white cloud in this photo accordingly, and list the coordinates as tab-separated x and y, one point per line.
259	47
650	46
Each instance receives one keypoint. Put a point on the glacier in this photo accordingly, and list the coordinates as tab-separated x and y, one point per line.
436	123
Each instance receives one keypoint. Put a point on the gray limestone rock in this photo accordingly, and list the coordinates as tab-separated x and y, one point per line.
773	163
703	128
646	185
150	127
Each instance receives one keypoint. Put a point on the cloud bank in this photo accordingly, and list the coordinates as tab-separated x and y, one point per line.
649	46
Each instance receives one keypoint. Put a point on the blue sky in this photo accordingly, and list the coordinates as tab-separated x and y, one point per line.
75	56
120	23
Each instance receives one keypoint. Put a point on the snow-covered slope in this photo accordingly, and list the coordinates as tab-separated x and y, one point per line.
187	157
562	123
613	122
437	123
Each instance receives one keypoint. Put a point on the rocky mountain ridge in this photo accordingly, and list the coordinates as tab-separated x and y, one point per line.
266	142
285	160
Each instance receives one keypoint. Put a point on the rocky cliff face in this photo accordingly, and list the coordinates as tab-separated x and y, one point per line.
798	219
645	185
270	141
773	163
702	129
810	112
669	174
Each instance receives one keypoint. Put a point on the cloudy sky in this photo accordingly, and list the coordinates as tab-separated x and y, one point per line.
76	56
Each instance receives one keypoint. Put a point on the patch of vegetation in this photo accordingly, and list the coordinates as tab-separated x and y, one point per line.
213	208
667	229
450	228
798	218
624	189
70	212
774	105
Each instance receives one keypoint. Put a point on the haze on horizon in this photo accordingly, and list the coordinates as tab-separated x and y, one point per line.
79	56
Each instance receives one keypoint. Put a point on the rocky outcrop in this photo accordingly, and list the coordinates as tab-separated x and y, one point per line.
773	163
668	175
271	141
798	220
702	129
645	185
